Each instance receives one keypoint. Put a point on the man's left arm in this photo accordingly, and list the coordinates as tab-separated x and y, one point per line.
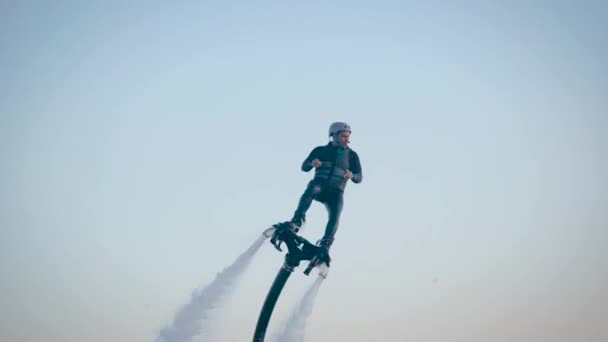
355	168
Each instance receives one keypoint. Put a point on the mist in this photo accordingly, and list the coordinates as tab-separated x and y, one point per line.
190	320
295	327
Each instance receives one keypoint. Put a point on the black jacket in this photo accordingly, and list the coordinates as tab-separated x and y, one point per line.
335	161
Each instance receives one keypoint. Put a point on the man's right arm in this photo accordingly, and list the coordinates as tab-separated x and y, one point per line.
307	164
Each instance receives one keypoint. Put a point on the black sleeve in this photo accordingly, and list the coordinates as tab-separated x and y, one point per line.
356	168
314	154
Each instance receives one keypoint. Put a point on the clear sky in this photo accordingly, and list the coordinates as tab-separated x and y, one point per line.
146	145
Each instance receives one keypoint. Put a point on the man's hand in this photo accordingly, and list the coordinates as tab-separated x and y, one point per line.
316	163
348	174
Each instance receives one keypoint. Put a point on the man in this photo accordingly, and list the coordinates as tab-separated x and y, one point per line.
334	163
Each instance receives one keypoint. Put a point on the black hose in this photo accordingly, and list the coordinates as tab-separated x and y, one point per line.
269	303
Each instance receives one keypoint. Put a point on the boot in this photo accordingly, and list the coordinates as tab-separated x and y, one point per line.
324	245
297	222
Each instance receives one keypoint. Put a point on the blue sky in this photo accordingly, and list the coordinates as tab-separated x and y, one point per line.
145	146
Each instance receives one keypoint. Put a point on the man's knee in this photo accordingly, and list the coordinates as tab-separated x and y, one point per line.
313	189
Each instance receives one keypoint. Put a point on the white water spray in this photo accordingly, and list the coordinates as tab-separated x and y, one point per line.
293	331
188	320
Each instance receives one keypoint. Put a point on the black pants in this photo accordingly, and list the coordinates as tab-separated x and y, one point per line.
333	200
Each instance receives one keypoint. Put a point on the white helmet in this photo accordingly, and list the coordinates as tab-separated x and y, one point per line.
337	127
